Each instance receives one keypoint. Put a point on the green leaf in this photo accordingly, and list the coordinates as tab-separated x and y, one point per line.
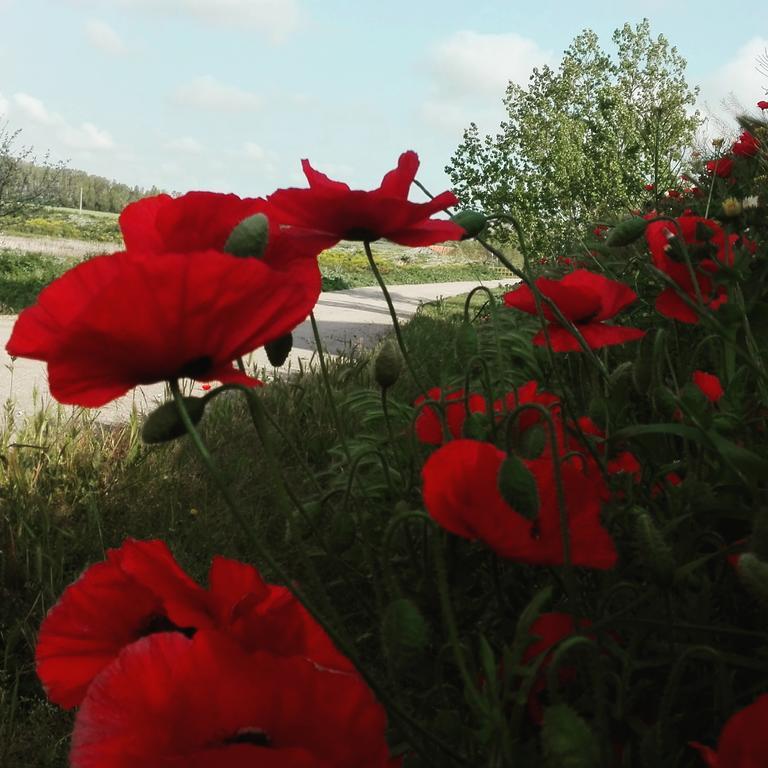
626	232
164	423
567	739
249	238
518	487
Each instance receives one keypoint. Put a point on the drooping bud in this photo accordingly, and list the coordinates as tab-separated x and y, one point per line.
518	487
164	423
404	631
627	231
249	238
279	349
472	222
388	365
753	574
467	342
653	549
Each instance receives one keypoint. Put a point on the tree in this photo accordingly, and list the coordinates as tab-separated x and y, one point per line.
25	182
580	143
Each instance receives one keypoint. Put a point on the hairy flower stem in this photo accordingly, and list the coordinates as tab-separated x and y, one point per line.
328	389
393	315
409	726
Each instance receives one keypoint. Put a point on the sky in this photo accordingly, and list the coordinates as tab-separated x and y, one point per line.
230	95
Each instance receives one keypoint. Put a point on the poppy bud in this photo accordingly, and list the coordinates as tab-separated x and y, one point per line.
279	349
467	344
249	238
518	487
404	631
164	423
731	207
652	548
386	369
627	231
472	222
753	574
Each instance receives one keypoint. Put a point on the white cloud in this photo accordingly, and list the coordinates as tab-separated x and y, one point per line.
254	151
276	19
470	72
185	144
33	108
208	93
100	35
735	87
85	135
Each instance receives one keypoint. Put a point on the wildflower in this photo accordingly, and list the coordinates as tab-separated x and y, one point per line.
746	145
722	167
762	105
731	207
120	320
587	300
709	385
204	702
329	211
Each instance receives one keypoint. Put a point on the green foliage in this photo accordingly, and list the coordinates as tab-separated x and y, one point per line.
580	142
24	275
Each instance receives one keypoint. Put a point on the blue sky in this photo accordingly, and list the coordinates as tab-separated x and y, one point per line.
229	95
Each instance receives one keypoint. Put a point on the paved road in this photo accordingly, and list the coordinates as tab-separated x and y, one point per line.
357	316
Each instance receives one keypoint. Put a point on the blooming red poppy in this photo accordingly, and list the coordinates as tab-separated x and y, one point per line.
120	320
762	104
746	145
743	742
649	187
203	702
429	428
674	193
722	167
202	221
709	248
709	385
141	590
461	494
333	211
587	300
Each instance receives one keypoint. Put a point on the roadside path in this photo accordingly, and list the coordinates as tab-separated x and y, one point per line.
357	317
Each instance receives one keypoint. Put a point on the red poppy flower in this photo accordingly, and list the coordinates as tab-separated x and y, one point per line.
202	221
722	167
673	193
429	427
762	104
333	211
709	385
461	493
141	590
587	300
746	145
116	321
205	703
671	478
743	742
709	248
600	230
649	187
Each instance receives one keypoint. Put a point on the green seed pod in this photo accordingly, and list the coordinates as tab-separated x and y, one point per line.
626	232
467	342
249	238
164	423
518	487
404	631
279	349
472	222
388	365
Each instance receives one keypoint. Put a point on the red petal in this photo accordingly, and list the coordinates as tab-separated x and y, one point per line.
709	384
397	183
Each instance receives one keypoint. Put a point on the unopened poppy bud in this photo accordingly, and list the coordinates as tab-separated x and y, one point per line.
404	631
653	549
389	363
627	231
731	207
279	349
518	487
472	222
467	343
249	238
164	423
753	574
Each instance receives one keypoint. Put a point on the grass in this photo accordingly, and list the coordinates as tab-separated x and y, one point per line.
93	226
24	275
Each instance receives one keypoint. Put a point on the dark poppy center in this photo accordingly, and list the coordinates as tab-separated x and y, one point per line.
253	736
361	233
196	368
159	622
